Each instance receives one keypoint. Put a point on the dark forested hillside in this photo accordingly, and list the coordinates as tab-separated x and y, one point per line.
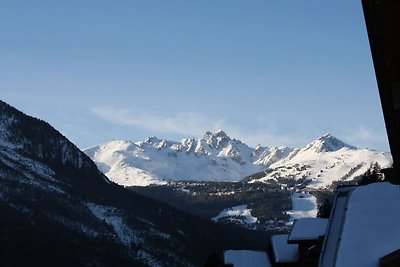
207	199
58	209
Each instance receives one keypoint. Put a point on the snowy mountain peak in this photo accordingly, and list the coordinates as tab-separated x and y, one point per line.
152	140
327	143
258	151
217	140
218	134
221	133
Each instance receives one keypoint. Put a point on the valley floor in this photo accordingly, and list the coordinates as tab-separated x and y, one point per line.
259	206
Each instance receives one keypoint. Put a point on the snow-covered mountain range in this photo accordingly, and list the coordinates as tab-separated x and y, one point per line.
217	157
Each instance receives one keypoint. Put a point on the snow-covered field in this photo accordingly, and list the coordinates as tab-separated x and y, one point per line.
239	214
304	206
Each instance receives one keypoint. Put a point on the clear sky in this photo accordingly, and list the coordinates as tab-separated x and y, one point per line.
268	72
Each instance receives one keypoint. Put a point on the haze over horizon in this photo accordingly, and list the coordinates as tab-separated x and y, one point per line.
265	72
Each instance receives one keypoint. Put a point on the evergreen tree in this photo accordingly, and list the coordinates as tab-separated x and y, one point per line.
324	210
372	175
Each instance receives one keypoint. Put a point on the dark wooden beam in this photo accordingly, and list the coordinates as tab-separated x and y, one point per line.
382	19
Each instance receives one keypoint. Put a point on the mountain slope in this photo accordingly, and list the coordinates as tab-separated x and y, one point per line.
323	162
59	209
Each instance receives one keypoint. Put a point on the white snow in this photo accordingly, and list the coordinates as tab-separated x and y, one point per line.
324	161
304	206
217	157
32	172
284	252
238	213
113	160
25	164
308	229
246	258
371	229
122	174
124	233
187	191
111	216
327	143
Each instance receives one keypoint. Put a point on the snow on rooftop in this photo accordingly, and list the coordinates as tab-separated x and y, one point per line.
372	225
284	252
246	258
308	229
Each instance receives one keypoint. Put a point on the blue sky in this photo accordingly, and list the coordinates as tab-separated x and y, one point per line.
268	72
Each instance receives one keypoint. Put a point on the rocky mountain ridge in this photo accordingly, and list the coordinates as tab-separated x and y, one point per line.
217	157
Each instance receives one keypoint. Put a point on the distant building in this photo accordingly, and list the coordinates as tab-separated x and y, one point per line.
302	246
